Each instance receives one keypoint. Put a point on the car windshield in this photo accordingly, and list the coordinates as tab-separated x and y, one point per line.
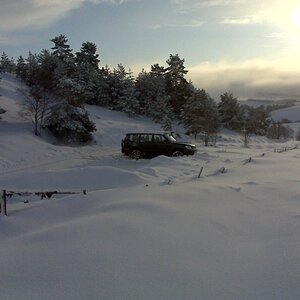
170	138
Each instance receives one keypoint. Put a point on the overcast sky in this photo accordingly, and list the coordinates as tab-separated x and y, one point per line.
250	47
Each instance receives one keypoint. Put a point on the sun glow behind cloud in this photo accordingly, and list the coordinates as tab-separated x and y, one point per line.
256	78
286	17
285	14
296	16
270	74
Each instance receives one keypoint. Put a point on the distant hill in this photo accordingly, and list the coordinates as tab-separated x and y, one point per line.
284	109
266	102
290	113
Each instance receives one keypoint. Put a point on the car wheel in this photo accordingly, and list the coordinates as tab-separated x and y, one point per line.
136	154
177	153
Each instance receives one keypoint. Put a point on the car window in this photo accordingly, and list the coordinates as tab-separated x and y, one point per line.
157	138
133	137
146	138
170	138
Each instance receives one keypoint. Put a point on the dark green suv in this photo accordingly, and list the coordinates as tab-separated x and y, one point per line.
137	145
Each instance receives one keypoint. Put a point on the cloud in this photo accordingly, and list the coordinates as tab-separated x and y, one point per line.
194	24
251	79
284	38
243	12
276	35
191	6
6	40
207	3
15	39
252	19
189	24
232	12
39	13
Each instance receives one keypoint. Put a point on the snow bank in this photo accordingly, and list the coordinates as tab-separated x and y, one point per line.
221	239
70	179
147	229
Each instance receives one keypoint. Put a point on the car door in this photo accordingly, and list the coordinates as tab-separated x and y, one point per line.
160	144
146	144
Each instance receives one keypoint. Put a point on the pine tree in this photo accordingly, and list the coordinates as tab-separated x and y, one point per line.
229	111
177	86
47	65
157	71
121	91
152	97
70	90
87	73
65	61
12	65
61	49
6	64
127	96
38	69
102	87
66	84
21	68
72	124
256	120
87	55
68	81
85	81
200	114
32	67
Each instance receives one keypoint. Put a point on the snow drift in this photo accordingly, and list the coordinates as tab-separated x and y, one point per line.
147	229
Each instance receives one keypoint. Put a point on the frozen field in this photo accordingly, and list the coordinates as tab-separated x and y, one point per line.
146	229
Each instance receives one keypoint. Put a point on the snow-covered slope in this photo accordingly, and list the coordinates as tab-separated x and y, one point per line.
291	113
147	229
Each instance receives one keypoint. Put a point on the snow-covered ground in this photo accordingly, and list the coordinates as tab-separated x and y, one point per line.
291	113
146	229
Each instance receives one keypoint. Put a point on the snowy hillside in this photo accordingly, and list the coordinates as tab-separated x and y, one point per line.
266	102
291	113
146	229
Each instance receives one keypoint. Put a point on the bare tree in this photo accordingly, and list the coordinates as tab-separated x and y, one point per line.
246	135
278	131
298	135
37	106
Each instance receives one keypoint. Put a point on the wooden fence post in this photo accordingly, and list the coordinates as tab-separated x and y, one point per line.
200	172
3	208
223	170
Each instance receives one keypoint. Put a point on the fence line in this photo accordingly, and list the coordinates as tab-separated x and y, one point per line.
222	169
285	149
48	194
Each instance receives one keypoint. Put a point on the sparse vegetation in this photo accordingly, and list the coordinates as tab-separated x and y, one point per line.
279	131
